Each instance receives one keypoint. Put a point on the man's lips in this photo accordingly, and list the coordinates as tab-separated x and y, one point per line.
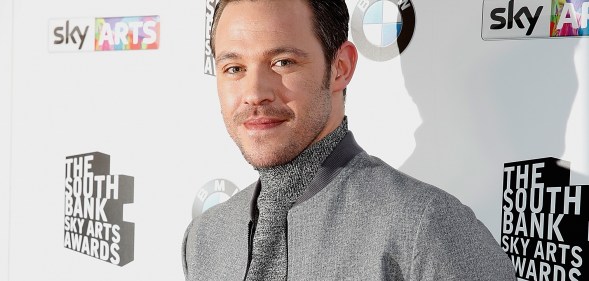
262	123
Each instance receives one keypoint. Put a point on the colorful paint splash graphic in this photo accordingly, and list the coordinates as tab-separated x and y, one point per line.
127	33
569	18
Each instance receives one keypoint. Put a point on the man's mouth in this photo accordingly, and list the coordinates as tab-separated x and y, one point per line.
262	123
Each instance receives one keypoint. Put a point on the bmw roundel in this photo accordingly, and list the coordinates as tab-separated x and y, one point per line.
212	193
382	29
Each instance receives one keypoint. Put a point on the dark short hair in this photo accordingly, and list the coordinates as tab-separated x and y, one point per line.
330	23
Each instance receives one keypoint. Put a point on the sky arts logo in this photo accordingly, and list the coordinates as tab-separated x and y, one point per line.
520	19
104	34
382	29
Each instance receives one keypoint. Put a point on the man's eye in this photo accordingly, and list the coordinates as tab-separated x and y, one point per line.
233	69
282	63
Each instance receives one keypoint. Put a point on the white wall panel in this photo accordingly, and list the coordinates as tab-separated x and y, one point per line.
453	108
5	137
577	134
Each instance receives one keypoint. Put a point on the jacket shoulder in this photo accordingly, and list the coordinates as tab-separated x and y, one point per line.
447	239
213	243
378	178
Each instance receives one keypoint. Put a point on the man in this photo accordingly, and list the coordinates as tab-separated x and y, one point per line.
323	209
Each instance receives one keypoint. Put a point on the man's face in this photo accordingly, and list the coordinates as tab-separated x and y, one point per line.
270	80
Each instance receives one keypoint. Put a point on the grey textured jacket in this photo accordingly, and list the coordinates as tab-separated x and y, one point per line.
359	219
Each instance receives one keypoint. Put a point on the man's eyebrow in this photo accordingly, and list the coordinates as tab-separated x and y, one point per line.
286	50
226	56
269	53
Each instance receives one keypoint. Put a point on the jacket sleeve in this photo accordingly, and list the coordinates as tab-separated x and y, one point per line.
452	244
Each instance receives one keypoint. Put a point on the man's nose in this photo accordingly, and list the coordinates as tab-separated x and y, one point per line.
258	88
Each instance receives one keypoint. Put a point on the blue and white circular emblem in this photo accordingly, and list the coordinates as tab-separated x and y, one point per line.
212	193
382	29
382	23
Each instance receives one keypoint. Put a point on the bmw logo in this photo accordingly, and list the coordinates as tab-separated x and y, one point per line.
382	29
212	193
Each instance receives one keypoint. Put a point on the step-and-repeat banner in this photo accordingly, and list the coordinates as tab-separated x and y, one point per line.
116	139
5	89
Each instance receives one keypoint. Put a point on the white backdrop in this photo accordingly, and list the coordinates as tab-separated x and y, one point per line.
450	111
5	95
140	107
454	108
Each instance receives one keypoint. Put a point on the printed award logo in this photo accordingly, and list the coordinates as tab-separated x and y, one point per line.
104	34
382	29
94	201
209	61
521	19
569	18
127	33
212	193
71	35
545	221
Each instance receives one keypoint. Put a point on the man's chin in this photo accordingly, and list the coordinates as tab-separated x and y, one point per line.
269	152
266	163
267	159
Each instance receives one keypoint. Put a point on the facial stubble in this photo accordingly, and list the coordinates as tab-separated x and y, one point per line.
308	125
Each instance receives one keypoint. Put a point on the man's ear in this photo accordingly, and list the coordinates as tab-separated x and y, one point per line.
343	66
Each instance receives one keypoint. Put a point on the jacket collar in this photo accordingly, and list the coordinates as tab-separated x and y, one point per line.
345	151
